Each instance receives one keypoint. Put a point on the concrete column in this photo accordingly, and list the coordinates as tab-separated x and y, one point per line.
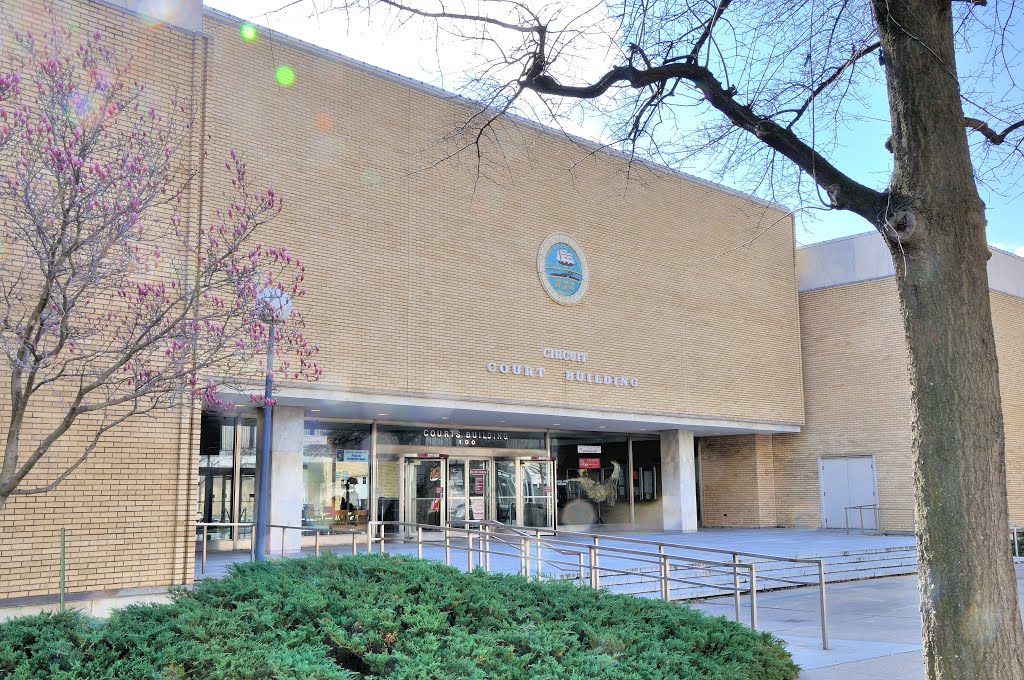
286	486
678	481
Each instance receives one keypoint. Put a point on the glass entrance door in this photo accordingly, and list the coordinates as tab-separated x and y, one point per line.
537	483
215	490
524	490
469	491
425	490
506	500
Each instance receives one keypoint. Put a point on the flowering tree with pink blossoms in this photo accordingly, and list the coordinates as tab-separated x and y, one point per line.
114	303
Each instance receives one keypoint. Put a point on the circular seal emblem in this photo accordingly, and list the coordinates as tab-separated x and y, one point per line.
562	268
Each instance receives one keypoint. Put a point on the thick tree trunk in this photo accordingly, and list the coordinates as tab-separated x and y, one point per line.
972	627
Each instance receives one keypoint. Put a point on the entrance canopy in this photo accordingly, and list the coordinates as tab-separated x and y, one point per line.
442	409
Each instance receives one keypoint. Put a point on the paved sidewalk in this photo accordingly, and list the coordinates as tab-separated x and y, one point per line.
874	628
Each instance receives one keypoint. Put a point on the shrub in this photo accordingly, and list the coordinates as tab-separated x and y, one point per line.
383	616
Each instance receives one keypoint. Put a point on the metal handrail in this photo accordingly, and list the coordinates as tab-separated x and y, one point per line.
691	548
702	562
486	536
860	509
519	532
664	559
317	531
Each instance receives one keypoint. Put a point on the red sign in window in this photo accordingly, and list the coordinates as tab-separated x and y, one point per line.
590	463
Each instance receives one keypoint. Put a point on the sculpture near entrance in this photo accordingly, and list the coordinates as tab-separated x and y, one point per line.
601	492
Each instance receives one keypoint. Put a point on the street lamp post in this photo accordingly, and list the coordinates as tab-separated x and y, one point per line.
275	306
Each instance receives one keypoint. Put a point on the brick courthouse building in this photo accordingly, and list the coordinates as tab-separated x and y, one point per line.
485	344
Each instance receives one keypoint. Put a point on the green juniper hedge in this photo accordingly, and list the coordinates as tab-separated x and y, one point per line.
384	616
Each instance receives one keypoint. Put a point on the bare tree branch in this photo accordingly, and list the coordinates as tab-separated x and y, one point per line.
991	135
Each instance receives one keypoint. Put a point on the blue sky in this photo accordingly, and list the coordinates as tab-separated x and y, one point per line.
410	51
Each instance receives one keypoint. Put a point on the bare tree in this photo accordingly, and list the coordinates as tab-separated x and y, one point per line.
764	89
113	306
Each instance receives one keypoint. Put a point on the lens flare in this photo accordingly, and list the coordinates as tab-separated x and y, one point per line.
371	178
323	121
577	512
248	32
83	108
159	12
285	75
329	151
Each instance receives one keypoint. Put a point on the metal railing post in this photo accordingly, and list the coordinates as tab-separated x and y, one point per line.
736	585
203	569
63	572
846	519
283	531
595	577
316	543
469	550
597	558
447	548
1016	549
540	554
821	595
383	543
524	557
355	546
540	558
579	558
419	542
666	589
252	545
487	549
753	596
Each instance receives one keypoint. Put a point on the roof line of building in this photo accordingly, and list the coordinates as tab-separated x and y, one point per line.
874	231
859	234
860	257
441	93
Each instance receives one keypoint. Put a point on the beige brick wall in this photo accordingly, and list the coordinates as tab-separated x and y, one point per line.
420	273
738	486
129	510
1008	321
858	399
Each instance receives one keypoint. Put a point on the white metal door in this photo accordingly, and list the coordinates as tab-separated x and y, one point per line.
846	483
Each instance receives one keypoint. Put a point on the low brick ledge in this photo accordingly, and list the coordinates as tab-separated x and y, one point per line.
85	596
